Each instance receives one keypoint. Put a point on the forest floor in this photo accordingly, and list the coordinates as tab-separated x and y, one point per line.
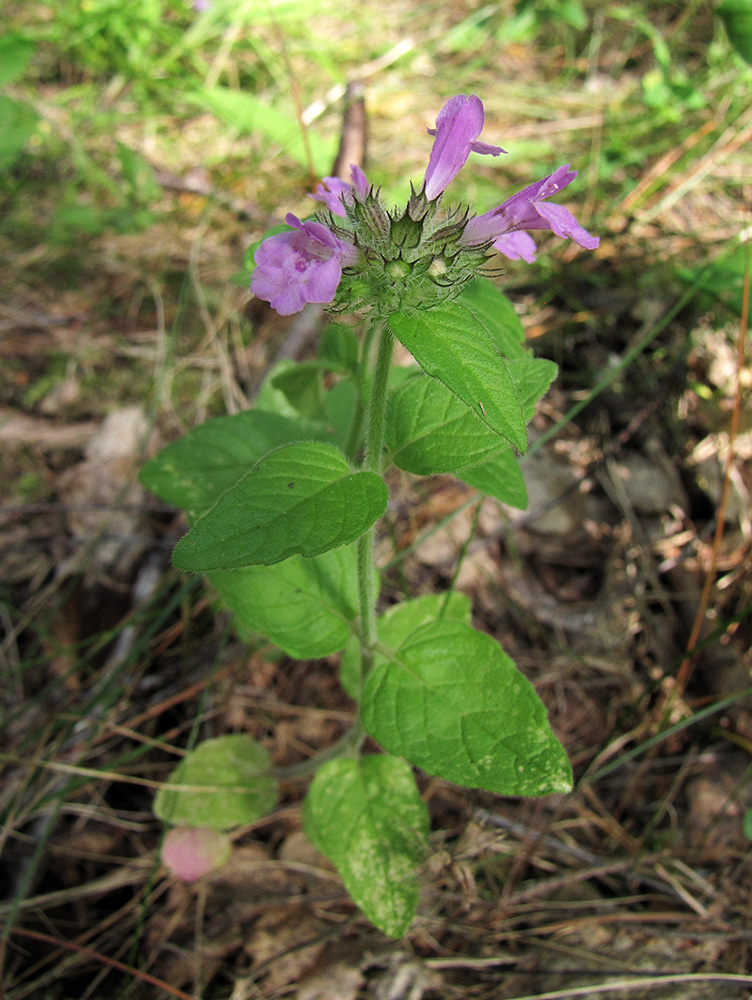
120	329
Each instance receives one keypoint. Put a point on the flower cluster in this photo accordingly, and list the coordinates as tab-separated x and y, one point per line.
363	255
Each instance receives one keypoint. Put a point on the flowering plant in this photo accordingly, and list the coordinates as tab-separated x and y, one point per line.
284	500
380	260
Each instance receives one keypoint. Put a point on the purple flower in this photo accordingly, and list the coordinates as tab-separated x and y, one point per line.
336	193
528	210
304	265
458	126
516	246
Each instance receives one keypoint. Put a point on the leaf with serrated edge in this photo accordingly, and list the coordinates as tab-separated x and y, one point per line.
367	816
299	499
225	783
499	477
305	606
192	473
532	376
451	345
396	624
453	703
429	430
495	312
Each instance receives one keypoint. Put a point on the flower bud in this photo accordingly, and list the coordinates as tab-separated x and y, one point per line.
371	217
398	270
419	207
406	232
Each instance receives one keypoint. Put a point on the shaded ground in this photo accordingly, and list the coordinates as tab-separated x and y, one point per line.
113	663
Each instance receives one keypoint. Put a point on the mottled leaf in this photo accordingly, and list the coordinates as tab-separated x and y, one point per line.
367	816
223	783
453	703
304	606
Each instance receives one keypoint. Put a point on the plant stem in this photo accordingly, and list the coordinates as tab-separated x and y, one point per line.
350	742
375	417
354	438
346	746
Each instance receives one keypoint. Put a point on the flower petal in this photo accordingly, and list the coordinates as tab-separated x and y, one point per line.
458	125
303	265
333	191
563	224
516	246
359	180
527	210
336	193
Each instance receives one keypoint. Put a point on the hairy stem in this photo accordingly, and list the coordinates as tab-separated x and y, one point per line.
372	460
375	417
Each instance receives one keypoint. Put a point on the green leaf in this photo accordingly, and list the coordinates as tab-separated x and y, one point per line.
192	473
430	431
338	348
138	174
452	345
396	624
453	703
532	376
499	477
303	388
225	783
737	18
304	606
17	124
301	498
747	824
493	310
15	53
341	409
250	115
367	816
